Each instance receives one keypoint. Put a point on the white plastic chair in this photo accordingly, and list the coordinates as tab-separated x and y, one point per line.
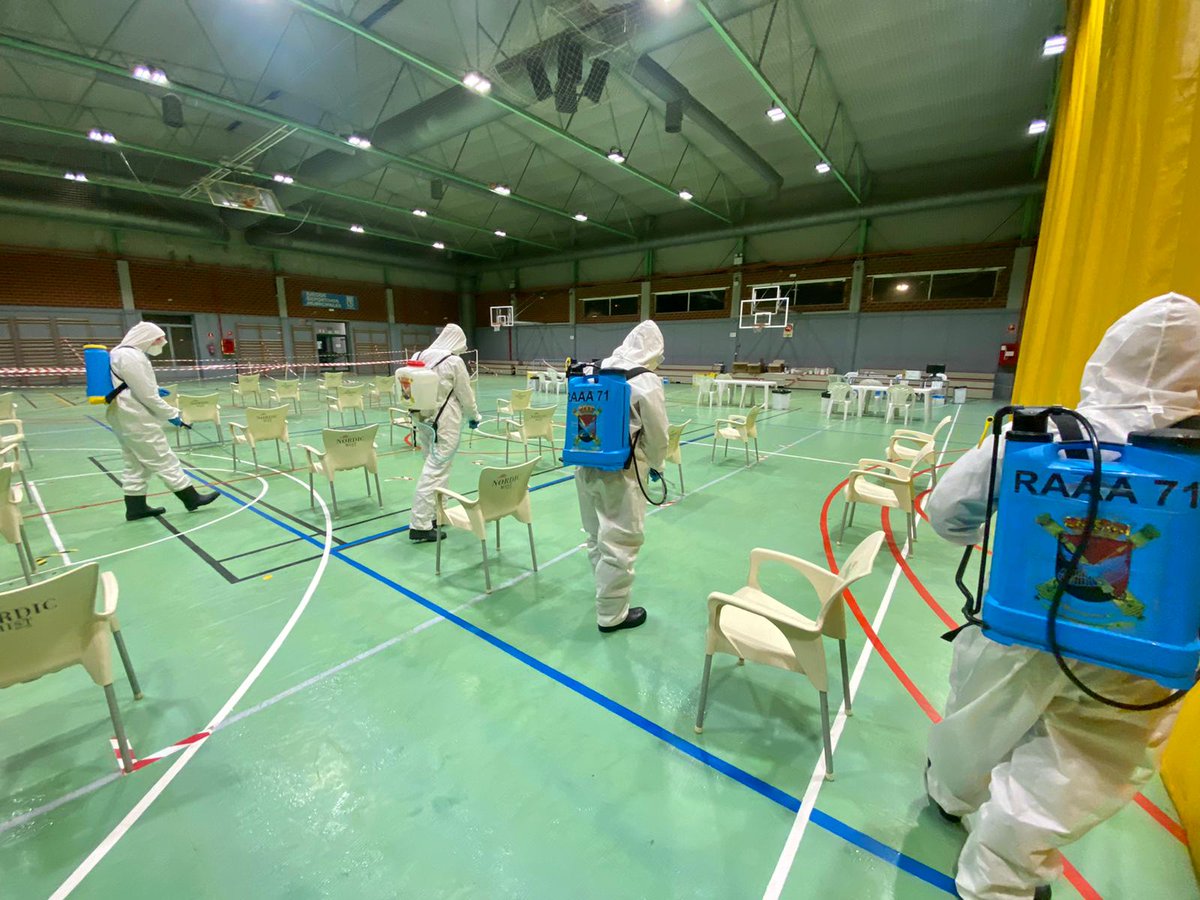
519	401
536	422
905	444
245	384
840	392
347	397
706	389
502	492
401	418
268	424
12	525
674	454
330	380
721	383
751	624
552	378
12	434
8	405
887	484
738	428
378	387
344	450
286	389
63	629
899	397
196	408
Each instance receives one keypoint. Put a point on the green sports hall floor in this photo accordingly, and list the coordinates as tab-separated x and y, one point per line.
414	737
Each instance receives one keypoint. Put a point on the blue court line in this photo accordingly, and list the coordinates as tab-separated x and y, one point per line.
834	826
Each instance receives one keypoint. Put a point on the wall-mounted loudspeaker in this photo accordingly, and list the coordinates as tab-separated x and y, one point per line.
593	88
172	111
537	77
570	72
674	117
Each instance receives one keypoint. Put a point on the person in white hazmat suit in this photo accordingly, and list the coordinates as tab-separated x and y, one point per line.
441	435
136	415
611	504
1025	759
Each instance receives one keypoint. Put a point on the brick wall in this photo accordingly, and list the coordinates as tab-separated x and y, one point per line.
424	306
188	287
552	305
58	279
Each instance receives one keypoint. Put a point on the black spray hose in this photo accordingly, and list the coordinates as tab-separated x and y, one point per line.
637	473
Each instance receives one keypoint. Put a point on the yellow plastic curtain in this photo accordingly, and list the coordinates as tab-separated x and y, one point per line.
1122	224
1122	218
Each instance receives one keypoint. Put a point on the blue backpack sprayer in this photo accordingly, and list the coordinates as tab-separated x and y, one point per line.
1095	548
98	376
598	421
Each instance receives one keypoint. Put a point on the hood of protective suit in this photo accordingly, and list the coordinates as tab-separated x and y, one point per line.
142	335
642	347
451	340
1145	373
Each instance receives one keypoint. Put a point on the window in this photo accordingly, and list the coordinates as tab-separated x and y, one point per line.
711	300
603	307
962	284
828	292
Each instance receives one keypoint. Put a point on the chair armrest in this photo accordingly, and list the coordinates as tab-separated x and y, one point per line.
13	448
14	424
454	495
794	621
912	435
878	476
235	427
821	579
898	469
109	594
314	455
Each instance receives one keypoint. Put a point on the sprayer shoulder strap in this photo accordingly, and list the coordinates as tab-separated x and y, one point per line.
635	372
112	395
1070	430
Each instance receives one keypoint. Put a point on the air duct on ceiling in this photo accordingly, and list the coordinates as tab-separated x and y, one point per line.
126	216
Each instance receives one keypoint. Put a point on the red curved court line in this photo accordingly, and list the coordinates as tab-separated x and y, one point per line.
1159	815
1073	876
947	619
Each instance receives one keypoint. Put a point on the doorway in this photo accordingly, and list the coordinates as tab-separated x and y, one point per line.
333	345
181	338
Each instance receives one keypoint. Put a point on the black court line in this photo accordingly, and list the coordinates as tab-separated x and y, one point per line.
187	541
27	400
64	399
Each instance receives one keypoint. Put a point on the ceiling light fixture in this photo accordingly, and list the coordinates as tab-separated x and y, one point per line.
499	233
1037	126
357	229
104	137
616	155
502	189
75	176
685	194
580	217
1054	45
420	213
903	287
360	142
283	178
776	114
438	245
153	76
477	82
823	168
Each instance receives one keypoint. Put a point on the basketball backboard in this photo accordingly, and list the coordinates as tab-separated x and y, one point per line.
502	317
767	309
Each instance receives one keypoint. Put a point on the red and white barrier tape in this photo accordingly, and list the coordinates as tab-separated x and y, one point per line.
155	757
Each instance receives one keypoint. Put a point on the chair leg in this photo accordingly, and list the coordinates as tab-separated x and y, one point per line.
437	530
682	489
367	479
254	453
853	510
24	564
497	535
28	456
747	446
845	511
333	496
727	449
378	492
757	457
712	456
487	572
845	677
28	552
532	548
279	451
128	664
312	494
826	736
233	447
119	727
703	694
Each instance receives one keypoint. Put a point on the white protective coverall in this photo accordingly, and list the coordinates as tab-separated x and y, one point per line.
137	414
611	504
454	390
1026	758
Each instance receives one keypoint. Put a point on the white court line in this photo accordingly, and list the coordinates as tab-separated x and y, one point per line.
122	828
787	856
58	544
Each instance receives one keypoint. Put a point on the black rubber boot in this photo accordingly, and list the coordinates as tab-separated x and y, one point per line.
193	499
1042	893
635	617
424	536
136	508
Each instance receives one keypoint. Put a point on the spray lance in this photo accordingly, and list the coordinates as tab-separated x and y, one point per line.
1116	598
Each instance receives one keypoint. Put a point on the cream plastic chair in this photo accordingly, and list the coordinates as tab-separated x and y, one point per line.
840	392
751	624
519	401
674	455
12	525
286	389
536	422
552	378
706	388
378	387
347	397
885	484
330	380
905	443
738	428
197	408
400	418
502	492
245	384
899	397
11	456
8	406
721	383
12	434
57	626
269	424
344	450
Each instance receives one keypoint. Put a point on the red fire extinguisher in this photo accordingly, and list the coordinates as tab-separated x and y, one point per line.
1008	355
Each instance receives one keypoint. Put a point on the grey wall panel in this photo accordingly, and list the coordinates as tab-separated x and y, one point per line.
965	341
622	267
698	343
598	341
549	342
696	257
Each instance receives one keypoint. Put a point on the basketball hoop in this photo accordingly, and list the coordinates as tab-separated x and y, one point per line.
758	328
496	327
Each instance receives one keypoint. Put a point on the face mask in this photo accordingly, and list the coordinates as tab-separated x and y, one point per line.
155	349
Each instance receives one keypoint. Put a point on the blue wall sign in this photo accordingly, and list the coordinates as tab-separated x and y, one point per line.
328	301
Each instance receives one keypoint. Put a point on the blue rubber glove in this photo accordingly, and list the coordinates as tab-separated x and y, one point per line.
473	424
655	475
176	421
163	392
